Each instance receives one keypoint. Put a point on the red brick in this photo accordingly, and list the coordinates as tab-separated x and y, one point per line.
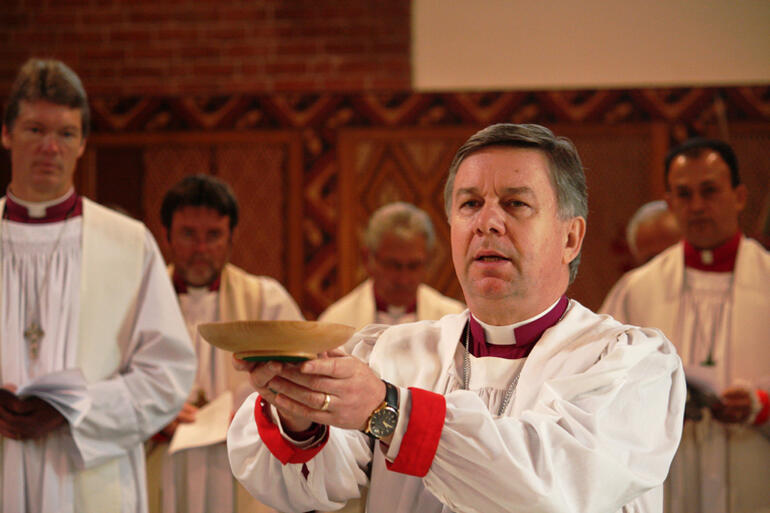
286	66
180	33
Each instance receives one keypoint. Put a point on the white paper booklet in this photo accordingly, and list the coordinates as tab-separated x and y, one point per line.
210	426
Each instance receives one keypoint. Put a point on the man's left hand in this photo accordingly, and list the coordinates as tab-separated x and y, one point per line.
354	390
735	406
27	419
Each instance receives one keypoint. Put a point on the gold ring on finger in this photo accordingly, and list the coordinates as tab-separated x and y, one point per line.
327	400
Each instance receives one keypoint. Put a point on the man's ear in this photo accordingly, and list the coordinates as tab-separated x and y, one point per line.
6	138
741	194
366	259
82	148
573	241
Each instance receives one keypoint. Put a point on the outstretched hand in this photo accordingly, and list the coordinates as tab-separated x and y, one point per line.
299	391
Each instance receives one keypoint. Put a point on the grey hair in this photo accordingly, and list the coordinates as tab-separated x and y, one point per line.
647	212
566	171
402	219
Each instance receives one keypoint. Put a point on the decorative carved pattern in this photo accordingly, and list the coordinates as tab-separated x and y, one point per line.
321	117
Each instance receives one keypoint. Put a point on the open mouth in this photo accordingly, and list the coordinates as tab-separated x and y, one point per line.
491	257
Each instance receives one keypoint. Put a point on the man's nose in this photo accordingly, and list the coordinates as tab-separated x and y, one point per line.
51	143
490	220
697	202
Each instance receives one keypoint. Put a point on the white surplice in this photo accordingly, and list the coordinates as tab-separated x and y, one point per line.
718	468
592	426
358	308
199	480
123	334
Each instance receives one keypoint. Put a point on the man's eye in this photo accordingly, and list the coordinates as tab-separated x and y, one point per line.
469	203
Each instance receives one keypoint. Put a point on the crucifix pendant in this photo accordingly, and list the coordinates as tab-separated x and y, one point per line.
32	335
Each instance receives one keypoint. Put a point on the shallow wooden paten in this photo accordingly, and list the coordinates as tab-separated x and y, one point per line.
286	341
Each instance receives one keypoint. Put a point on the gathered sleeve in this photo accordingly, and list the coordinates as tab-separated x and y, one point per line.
156	373
591	441
288	478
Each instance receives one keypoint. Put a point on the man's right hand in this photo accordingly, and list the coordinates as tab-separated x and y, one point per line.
260	374
186	415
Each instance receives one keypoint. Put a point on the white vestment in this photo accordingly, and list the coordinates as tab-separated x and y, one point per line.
718	468
592	426
116	357
358	307
199	480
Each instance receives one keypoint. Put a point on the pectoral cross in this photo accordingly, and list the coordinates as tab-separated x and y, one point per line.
32	335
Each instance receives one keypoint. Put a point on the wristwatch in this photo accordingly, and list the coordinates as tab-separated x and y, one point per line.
382	421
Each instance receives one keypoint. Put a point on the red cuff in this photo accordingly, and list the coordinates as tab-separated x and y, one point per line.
418	447
764	413
284	450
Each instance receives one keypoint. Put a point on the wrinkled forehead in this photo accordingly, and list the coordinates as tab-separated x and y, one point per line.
505	169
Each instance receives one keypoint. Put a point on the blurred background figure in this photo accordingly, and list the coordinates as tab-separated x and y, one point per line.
95	355
708	294
398	243
199	215
652	229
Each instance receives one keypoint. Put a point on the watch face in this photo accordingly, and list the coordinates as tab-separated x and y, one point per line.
384	422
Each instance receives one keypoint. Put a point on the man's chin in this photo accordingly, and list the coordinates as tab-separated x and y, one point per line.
201	279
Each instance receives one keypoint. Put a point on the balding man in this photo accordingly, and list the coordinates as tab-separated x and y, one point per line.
398	243
651	230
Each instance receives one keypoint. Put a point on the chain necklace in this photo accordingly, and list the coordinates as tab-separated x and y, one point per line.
467	375
34	332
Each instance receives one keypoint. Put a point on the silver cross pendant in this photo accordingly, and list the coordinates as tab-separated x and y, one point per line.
33	334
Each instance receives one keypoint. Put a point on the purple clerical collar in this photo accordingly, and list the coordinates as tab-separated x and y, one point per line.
720	259
525	335
68	206
181	286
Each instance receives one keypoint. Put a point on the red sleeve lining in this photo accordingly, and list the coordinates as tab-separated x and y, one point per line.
764	413
423	432
283	449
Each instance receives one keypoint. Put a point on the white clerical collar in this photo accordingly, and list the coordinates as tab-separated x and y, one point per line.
37	210
506	335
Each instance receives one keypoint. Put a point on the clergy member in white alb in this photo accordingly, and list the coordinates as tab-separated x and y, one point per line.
651	230
199	216
95	354
398	243
527	401
709	295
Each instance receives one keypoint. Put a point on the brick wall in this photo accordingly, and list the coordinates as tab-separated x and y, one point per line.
170	47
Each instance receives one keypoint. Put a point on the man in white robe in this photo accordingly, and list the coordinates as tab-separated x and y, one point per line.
651	230
525	402
398	243
94	353
199	216
708	294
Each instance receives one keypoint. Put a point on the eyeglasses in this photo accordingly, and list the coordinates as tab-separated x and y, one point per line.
398	266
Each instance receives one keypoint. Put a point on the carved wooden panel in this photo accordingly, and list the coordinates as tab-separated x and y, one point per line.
636	127
382	166
264	170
